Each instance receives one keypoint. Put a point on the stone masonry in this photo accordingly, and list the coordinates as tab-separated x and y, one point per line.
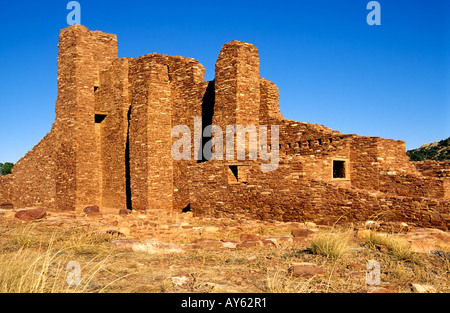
110	146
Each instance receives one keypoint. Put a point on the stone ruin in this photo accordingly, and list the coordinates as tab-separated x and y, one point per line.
110	146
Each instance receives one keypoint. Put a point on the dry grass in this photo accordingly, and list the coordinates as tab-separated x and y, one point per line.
34	258
332	244
36	262
280	281
398	247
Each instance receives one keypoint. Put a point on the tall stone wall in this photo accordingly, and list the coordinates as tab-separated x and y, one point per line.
112	105
269	110
237	92
62	170
82	55
187	89
151	166
237	85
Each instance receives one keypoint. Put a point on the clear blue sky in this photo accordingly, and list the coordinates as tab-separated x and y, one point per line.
331	67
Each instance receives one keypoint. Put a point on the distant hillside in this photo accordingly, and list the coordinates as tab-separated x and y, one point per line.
438	151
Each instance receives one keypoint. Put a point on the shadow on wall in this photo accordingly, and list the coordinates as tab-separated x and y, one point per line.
207	114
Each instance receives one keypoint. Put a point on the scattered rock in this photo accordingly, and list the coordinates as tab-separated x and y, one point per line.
382	248
126	244
425	240
180	280
422	288
441	253
115	233
209	285
202	240
125	230
156	247
124	212
363	233
423	246
375	289
229	245
187	214
230	240
210	229
201	244
6	206
148	246
394	227
277	239
372	225
31	214
300	233
91	209
305	270
355	266
268	242
250	244
249	237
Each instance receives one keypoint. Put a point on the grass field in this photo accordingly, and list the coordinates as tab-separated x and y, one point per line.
36	258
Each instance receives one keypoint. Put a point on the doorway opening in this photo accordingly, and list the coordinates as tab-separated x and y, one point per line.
127	164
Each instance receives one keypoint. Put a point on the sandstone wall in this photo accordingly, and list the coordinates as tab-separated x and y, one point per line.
237	92
151	166
112	102
5	189
433	168
286	195
187	90
82	55
392	158
237	85
408	185
35	175
269	110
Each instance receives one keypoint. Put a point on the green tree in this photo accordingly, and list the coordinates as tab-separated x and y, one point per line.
6	168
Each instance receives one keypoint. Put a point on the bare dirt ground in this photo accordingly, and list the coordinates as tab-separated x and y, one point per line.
156	251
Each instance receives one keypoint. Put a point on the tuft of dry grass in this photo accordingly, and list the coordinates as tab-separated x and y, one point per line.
398	247
335	245
279	281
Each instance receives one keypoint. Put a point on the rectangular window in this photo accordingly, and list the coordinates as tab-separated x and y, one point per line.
339	169
99	118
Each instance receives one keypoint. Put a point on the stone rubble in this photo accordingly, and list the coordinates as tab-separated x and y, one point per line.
151	231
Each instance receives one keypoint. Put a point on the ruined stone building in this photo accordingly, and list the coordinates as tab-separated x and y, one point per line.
110	145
